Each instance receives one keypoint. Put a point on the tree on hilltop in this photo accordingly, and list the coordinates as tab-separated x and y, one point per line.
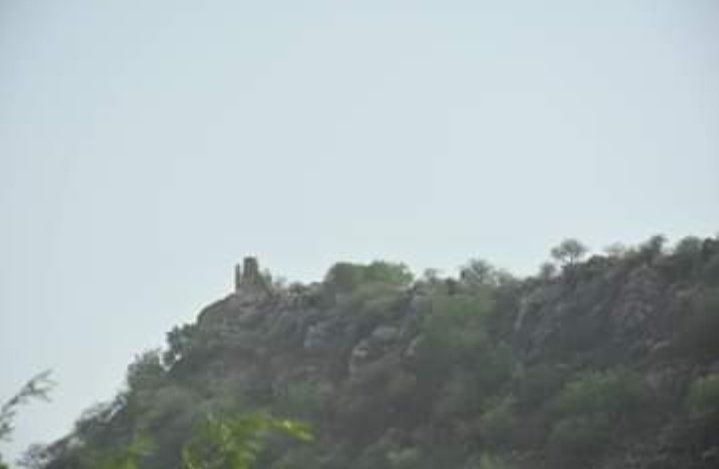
569	252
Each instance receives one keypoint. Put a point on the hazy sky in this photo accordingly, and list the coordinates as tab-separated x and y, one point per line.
145	146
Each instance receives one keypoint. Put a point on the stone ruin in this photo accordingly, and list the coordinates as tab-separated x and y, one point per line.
248	279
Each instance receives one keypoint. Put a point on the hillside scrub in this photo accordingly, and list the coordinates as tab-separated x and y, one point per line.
609	359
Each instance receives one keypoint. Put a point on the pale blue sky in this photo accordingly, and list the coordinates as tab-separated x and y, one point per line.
147	146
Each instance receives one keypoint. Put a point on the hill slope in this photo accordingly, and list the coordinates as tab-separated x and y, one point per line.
611	362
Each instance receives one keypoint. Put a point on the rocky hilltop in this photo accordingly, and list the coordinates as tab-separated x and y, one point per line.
609	362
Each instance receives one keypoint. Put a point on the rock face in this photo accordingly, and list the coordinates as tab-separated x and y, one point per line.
612	307
318	338
372	348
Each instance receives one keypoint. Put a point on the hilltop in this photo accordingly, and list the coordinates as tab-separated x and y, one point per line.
606	362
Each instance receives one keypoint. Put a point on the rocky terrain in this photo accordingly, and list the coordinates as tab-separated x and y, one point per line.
609	362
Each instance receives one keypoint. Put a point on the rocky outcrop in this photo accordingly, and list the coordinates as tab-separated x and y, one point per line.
251	298
379	342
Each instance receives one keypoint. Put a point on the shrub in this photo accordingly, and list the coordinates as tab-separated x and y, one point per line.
498	421
616	393
697	335
457	324
373	298
303	399
401	386
492	368
457	397
460	310
574	441
345	276
391	273
373	456
536	384
653	247
480	276
489	461
236	440
703	397
710	270
405	458
452	331
688	247
300	457
179	343
169	403
127	457
591	407
146	372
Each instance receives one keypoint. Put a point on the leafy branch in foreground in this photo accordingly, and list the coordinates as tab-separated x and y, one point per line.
234	442
38	387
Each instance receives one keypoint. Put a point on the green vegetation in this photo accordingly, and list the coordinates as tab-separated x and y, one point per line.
346	277
703	398
591	410
36	388
536	384
617	394
498	422
302	399
569	252
576	441
592	364
235	442
488	461
697	333
128	457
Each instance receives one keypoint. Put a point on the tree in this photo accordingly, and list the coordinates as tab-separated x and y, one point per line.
346	277
617	250
235	442
498	421
689	246
95	419
179	343
36	456
391	273
575	441
620	394
568	252
38	387
146	371
478	273
128	457
653	247
547	271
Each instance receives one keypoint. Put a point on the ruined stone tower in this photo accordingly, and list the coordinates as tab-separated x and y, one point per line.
248	278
